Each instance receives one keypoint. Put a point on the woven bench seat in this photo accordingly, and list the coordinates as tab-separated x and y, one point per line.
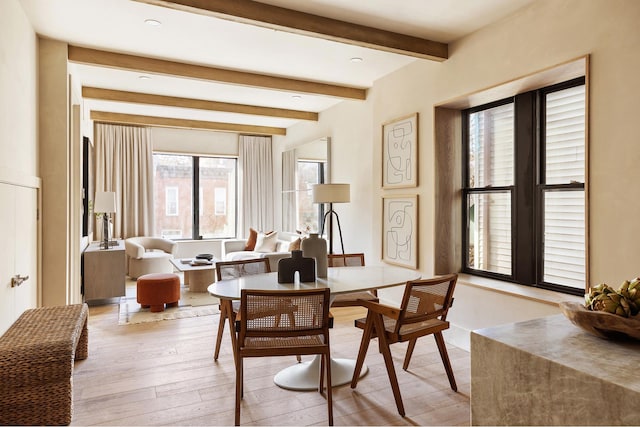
37	354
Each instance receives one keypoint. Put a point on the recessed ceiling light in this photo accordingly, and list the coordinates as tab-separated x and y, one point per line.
296	96
356	59
144	77
153	22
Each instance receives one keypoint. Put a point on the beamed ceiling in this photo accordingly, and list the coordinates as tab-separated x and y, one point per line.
246	66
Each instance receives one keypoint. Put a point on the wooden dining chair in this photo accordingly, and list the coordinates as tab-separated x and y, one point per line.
423	311
351	299
231	270
306	333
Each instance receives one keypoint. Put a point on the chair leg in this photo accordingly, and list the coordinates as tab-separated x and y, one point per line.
407	356
388	361
321	385
445	360
232	330
364	346
223	318
238	390
327	363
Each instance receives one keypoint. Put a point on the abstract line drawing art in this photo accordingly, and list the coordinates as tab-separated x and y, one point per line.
400	153
400	230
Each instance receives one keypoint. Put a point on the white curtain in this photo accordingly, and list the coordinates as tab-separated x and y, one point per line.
289	194
256	183
124	164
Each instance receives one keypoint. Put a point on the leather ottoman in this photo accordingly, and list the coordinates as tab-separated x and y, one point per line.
157	289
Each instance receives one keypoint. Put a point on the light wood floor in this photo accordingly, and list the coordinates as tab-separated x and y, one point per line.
163	373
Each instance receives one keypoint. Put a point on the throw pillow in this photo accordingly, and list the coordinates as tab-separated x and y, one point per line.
251	241
266	242
295	245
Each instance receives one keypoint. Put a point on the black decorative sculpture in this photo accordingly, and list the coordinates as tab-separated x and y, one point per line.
287	268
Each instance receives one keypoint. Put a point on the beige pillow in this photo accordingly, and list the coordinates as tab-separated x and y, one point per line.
295	245
266	242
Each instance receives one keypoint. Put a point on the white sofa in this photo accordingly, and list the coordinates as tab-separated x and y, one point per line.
233	249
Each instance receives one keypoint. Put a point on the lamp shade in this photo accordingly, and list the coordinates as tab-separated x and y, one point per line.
105	202
331	193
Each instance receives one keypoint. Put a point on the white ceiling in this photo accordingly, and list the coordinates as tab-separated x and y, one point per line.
118	26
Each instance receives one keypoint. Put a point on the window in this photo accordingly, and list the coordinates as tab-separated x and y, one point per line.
309	214
171	201
523	195
221	201
186	184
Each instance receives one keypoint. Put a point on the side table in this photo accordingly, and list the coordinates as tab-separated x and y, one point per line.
104	271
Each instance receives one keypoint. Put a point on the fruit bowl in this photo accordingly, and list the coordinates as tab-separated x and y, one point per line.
600	323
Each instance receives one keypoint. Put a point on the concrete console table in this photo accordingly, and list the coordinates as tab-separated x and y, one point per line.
550	372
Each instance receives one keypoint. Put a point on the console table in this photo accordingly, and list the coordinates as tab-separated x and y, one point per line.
104	271
548	371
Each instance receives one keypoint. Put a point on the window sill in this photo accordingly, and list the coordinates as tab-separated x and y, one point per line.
543	296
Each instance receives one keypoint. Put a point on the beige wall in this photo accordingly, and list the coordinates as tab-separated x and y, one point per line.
18	148
546	33
19	182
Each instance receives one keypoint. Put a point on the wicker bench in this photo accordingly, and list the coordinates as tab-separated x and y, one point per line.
37	354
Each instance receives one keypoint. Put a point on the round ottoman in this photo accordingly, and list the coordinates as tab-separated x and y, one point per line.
157	289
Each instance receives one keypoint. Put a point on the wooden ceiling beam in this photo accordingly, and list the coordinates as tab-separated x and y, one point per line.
199	104
134	119
159	66
278	18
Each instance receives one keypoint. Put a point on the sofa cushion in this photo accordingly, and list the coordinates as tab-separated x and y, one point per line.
251	240
267	242
294	245
240	255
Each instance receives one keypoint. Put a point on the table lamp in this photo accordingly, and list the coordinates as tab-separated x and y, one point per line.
331	193
105	203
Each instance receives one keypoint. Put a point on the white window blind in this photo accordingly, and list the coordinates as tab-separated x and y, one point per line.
564	209
565	128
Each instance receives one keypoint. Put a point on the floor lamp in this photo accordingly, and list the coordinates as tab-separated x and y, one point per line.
105	204
331	193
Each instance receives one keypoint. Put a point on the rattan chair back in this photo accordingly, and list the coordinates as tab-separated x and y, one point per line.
305	331
233	269
345	260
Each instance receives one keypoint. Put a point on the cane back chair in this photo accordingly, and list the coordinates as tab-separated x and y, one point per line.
423	311
351	299
306	332
231	270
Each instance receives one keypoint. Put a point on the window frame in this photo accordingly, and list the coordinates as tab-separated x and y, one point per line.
195	193
528	189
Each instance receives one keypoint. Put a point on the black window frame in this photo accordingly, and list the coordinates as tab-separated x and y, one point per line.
195	195
527	191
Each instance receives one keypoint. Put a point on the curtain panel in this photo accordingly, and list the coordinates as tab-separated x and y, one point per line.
124	164
255	164
289	193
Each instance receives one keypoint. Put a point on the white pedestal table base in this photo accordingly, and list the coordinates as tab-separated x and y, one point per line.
306	375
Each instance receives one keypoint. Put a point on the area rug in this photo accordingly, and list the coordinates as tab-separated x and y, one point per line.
191	304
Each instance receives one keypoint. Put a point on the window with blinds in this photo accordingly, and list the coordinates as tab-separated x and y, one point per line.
523	194
490	154
563	189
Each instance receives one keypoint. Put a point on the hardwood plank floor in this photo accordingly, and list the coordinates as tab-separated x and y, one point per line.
163	373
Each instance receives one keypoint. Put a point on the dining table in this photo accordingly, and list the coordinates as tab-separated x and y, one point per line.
341	280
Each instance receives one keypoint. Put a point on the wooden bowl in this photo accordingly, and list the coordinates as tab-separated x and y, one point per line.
600	323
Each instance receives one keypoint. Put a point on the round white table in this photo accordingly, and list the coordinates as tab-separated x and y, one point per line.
341	280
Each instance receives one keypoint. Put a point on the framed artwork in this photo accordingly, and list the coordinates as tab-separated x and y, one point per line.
400	230
400	152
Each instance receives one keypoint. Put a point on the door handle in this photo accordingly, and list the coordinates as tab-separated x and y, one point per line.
18	280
